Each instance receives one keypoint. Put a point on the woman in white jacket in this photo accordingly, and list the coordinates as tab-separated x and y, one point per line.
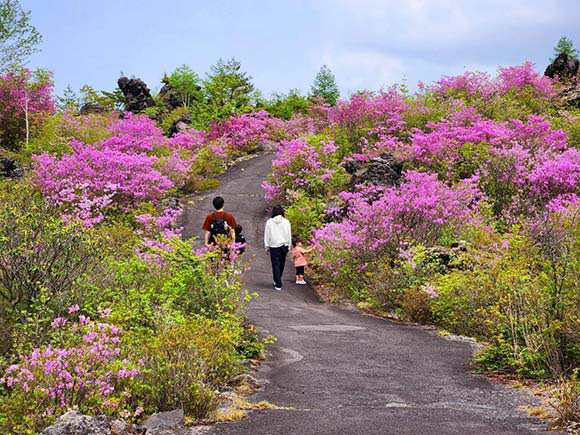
277	240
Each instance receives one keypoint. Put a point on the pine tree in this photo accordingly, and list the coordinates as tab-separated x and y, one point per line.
228	89
565	45
324	86
69	100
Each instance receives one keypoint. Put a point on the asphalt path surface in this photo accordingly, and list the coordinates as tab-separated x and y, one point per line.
345	372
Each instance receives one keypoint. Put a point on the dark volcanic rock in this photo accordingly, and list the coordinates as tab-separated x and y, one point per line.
89	108
384	170
75	423
563	66
9	168
137	95
181	124
571	95
445	258
170	97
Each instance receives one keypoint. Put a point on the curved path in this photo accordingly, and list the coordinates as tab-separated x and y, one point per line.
346	372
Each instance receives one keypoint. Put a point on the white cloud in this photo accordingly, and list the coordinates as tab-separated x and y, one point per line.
363	69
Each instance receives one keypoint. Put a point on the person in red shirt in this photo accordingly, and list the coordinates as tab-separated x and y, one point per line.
218	223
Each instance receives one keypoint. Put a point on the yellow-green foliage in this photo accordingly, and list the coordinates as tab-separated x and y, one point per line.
173	116
186	363
305	214
522	295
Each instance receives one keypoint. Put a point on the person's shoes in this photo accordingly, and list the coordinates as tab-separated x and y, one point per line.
278	288
301	282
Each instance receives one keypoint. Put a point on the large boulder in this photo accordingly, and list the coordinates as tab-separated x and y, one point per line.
89	108
384	170
570	95
137	95
9	168
564	67
75	423
170	97
181	124
161	422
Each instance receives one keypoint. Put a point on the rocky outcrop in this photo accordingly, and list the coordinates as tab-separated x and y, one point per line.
161	422
443	258
564	67
570	96
181	124
137	95
384	170
170	97
9	168
75	423
89	108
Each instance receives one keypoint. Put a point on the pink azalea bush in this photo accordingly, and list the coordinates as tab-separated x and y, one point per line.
514	79
240	134
379	221
88	372
90	180
310	166
23	94
379	114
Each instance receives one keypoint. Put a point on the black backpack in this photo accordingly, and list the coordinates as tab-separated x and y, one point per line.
219	226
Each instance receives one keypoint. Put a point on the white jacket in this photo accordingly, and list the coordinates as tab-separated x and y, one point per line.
277	232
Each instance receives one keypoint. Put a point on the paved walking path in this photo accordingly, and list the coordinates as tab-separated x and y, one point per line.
346	372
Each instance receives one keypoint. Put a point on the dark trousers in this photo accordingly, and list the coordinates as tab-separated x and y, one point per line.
278	258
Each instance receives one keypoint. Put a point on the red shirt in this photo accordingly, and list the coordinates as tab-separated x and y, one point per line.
229	218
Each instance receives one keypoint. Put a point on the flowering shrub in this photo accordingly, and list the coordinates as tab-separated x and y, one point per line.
515	79
133	134
555	182
25	101
240	134
309	166
370	115
88	372
381	220
90	180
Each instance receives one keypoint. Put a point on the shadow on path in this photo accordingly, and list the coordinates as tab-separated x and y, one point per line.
346	372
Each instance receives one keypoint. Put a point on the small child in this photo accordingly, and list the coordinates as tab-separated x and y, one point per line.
298	253
240	238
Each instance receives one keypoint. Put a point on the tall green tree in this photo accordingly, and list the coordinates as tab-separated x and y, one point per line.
18	38
186	83
565	45
324	86
286	105
101	101
69	101
228	89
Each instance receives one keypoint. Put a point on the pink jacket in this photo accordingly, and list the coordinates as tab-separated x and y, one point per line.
299	257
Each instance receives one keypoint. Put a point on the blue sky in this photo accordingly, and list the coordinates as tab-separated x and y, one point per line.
282	43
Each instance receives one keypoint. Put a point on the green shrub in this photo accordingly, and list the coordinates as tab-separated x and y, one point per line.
186	363
522	296
173	116
203	285
305	214
42	260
